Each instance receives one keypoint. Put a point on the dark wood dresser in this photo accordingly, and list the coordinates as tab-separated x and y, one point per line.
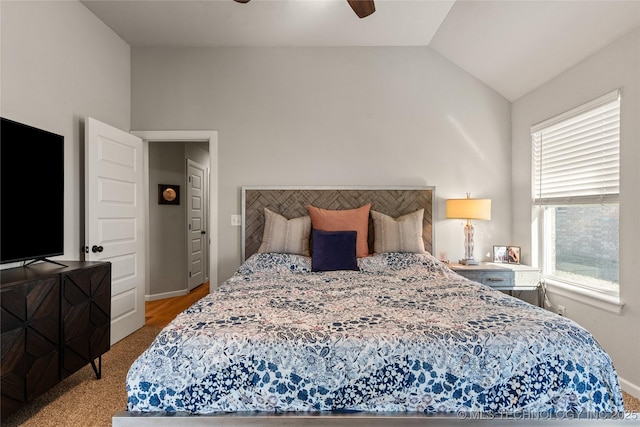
55	320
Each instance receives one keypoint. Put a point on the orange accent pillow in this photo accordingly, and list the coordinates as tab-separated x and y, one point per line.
344	220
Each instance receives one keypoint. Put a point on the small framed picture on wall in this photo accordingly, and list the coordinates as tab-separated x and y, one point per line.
168	194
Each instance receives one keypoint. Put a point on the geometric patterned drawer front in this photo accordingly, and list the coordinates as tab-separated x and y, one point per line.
30	336
54	321
86	317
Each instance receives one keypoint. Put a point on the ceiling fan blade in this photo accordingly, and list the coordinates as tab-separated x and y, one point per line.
242	1
362	8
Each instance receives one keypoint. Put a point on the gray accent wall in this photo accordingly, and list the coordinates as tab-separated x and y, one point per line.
167	235
335	116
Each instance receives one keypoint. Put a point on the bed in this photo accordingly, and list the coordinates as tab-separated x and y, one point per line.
397	336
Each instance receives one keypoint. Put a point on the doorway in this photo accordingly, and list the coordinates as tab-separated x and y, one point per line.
162	241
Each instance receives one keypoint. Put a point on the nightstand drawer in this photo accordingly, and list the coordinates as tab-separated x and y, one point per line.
504	279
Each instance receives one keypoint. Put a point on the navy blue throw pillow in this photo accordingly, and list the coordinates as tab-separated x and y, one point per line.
333	250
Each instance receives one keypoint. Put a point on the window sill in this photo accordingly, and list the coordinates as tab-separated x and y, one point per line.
610	303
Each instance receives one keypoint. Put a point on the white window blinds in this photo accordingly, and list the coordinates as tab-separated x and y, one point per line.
576	155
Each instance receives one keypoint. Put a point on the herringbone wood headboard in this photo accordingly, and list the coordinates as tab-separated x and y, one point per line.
292	202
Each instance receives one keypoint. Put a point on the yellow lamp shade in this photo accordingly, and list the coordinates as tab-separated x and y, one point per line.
469	208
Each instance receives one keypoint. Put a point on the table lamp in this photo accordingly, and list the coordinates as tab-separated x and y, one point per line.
468	209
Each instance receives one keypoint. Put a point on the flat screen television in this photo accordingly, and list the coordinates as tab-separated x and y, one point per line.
31	193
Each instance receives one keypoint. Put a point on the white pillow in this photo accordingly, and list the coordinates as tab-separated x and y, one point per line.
285	236
402	234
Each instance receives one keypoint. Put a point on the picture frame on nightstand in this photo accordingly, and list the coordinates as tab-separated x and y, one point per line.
506	254
500	254
513	254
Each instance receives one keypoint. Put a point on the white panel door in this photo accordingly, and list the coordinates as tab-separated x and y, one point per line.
114	219
196	224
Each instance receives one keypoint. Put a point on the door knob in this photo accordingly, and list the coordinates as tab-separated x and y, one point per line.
203	232
95	249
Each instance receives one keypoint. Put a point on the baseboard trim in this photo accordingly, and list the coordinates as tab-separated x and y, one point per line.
629	387
164	295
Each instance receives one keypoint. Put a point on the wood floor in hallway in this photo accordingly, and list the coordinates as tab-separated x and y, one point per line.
160	312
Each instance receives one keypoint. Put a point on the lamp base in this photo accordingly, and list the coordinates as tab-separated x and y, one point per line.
469	262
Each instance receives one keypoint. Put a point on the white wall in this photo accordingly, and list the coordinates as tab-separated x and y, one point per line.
616	66
59	63
335	116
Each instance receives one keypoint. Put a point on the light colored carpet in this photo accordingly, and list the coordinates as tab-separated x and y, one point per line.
81	400
631	404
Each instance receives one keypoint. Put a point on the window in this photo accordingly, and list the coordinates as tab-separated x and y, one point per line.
576	165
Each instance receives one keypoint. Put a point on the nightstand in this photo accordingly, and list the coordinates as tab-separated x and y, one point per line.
502	277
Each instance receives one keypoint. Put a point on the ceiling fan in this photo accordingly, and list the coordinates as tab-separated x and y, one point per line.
362	8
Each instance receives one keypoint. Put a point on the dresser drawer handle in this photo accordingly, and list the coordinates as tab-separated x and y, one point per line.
495	279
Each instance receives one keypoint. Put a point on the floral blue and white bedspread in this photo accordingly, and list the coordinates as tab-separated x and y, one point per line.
404	333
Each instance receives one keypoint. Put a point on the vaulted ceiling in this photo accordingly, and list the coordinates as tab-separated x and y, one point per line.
512	46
